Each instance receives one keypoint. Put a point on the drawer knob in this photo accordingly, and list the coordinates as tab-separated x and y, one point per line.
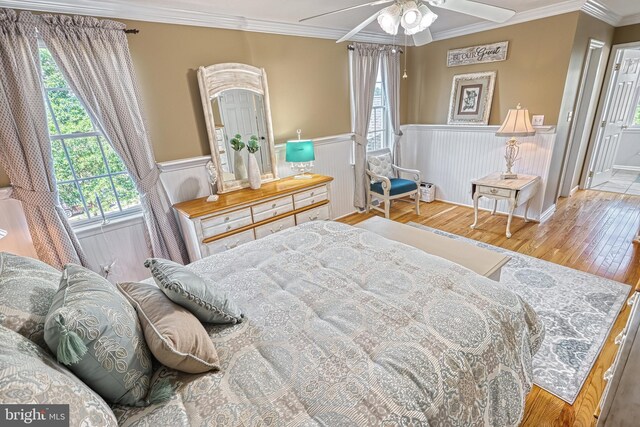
227	219
313	218
233	245
493	191
273	205
619	338
313	193
608	375
275	213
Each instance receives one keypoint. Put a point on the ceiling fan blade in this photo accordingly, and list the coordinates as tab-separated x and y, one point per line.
360	27
373	3
480	10
422	38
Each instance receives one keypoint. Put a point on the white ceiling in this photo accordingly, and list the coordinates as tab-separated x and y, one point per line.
282	16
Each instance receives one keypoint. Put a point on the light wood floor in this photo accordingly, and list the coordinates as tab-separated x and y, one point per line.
591	231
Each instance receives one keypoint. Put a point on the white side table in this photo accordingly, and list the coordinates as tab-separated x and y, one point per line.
517	191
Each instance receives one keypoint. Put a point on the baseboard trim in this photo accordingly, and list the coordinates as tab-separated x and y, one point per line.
574	190
627	168
548	213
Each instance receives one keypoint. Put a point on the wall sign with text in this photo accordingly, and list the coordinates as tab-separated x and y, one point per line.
478	54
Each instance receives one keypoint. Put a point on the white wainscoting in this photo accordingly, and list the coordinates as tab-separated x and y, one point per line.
451	156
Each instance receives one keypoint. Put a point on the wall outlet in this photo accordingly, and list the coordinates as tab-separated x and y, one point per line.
537	120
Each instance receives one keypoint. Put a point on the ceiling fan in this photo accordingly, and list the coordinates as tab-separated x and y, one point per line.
415	17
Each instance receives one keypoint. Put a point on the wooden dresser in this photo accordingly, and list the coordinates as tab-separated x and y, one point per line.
244	215
620	403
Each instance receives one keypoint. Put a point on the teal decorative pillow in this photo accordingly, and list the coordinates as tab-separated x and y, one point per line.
28	375
192	292
27	287
94	330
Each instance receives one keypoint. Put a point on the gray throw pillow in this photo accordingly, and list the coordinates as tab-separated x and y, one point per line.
94	330
30	376
27	287
192	292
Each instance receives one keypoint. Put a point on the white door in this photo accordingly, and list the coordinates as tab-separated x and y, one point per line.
615	116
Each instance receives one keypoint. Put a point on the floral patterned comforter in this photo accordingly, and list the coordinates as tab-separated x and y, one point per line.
346	328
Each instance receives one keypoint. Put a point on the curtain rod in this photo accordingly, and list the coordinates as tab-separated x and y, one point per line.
352	47
131	31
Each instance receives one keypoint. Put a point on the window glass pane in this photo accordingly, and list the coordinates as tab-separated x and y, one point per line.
60	164
52	126
69	113
115	164
71	202
377	96
99	187
50	73
86	157
126	191
637	117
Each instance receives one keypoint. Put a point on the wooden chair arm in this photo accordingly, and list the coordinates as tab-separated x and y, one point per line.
417	175
386	182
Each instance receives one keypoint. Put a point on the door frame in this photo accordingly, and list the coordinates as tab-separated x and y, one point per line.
582	103
589	162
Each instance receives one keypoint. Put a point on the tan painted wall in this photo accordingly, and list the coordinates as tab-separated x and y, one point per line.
588	27
534	73
627	34
308	82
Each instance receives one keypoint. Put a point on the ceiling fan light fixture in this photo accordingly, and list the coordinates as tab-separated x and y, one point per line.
428	18
389	19
436	2
411	15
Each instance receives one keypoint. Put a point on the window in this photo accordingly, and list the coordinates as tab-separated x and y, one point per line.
636	117
86	167
378	134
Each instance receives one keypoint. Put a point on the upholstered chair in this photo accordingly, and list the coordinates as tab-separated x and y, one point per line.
387	183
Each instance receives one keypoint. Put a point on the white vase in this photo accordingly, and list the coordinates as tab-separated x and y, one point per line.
254	172
239	168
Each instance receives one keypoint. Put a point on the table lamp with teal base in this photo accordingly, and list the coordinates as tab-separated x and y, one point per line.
301	156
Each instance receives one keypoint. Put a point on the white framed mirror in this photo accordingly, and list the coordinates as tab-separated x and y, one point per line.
235	99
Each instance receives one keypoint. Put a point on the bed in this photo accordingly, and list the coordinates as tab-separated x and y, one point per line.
346	328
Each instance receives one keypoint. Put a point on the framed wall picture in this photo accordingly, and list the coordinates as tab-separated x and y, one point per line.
471	96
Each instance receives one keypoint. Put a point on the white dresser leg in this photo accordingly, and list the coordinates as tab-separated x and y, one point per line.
476	196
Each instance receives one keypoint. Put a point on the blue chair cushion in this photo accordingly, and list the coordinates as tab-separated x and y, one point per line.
398	186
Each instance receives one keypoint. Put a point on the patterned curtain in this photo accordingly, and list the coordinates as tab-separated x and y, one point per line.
25	147
390	59
365	62
94	57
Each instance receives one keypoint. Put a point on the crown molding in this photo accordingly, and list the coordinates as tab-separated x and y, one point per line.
168	15
630	20
520	17
601	12
123	9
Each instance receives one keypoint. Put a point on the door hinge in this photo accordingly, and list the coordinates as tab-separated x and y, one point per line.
616	67
590	174
603	124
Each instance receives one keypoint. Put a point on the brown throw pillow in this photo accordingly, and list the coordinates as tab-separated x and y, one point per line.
174	335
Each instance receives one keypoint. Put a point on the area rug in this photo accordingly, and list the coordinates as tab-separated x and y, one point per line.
577	308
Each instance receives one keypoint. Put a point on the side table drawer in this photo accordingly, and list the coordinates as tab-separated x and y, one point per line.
493	191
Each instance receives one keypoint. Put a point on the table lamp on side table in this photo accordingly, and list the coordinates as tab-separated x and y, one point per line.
517	123
301	156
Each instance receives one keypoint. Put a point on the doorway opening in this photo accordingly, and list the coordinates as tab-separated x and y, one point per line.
614	157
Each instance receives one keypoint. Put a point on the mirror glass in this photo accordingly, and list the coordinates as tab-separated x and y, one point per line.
235	100
239	117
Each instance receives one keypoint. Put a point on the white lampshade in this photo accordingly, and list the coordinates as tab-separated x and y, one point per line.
2	233
428	18
411	16
389	19
517	123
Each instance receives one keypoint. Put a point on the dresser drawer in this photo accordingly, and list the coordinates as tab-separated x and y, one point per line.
492	191
273	212
275	226
299	204
225	218
229	242
314	192
320	213
226	227
271	205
